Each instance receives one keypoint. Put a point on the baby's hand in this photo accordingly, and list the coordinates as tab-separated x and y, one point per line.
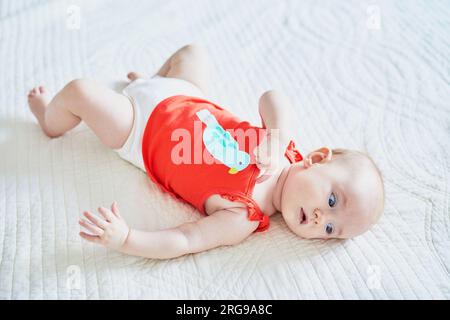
269	155
109	230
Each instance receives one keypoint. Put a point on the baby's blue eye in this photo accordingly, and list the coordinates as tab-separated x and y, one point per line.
332	200
329	228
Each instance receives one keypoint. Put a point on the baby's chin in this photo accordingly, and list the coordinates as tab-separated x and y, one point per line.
301	232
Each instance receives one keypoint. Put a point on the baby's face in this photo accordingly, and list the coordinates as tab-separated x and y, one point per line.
333	198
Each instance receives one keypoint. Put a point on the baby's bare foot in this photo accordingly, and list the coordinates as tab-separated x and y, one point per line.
38	99
135	75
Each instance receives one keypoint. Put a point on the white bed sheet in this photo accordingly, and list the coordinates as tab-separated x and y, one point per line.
382	88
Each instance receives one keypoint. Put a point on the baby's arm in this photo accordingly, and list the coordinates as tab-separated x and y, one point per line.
224	227
274	108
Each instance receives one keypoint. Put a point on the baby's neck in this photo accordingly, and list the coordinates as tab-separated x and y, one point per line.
278	189
268	193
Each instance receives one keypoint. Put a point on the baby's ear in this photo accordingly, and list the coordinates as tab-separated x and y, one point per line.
321	155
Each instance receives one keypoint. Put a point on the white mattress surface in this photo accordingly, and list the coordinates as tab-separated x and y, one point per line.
369	75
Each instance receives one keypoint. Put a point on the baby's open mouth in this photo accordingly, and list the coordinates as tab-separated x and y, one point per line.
302	217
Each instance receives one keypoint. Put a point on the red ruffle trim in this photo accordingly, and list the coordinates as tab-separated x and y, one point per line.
292	153
254	212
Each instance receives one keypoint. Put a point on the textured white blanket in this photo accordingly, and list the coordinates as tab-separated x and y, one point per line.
372	75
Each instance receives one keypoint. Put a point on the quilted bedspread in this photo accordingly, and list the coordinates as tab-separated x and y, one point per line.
369	75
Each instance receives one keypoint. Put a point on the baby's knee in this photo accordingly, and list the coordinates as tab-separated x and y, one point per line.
79	88
195	49
191	52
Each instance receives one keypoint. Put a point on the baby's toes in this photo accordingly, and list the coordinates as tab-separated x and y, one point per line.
134	75
41	89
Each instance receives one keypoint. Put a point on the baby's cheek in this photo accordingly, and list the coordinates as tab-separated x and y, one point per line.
295	183
310	189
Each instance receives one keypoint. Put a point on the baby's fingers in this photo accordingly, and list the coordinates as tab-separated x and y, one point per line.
263	165
115	210
95	220
262	178
90	237
108	215
264	174
91	227
267	171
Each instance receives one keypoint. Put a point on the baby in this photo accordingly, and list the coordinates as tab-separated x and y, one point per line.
236	174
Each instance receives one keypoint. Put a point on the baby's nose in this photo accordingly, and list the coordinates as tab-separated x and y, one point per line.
317	216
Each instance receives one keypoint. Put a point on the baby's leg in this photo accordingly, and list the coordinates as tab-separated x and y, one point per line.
107	113
190	63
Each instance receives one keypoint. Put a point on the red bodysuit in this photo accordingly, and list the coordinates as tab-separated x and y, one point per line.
188	153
